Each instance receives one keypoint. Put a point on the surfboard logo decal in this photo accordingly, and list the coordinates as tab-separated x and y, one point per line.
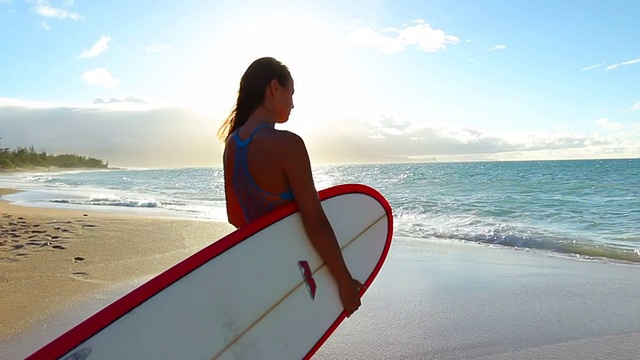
307	275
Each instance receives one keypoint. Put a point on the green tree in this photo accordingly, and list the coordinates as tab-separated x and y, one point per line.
23	157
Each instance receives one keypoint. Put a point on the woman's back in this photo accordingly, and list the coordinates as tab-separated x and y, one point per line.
255	170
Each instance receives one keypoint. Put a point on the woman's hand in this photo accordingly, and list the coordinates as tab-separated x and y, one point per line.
350	295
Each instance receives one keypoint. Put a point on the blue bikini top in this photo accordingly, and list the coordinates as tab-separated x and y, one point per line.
253	200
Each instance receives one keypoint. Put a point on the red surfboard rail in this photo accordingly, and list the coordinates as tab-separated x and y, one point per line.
109	314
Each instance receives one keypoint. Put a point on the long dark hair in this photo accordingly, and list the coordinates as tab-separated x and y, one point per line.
253	84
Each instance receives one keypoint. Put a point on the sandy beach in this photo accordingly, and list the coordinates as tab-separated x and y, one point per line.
432	299
59	266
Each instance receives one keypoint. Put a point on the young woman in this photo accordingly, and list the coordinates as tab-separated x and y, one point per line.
265	168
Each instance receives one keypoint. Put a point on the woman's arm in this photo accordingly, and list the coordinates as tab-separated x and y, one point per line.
298	171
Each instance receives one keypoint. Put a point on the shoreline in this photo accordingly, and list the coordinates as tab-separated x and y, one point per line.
588	250
52	169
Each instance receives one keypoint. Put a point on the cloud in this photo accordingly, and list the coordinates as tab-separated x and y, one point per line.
145	137
591	67
157	48
132	134
101	77
629	62
497	47
636	106
389	140
607	124
98	48
128	99
44	9
392	40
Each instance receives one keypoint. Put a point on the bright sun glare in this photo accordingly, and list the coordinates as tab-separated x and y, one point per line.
313	51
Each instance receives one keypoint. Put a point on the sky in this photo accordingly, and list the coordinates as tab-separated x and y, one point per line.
147	83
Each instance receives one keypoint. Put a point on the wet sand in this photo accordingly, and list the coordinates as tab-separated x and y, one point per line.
438	300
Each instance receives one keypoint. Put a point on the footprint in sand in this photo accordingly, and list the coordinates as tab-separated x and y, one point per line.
80	275
39	243
17	246
22	254
58	247
78	259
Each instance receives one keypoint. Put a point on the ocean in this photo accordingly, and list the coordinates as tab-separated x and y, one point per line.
585	209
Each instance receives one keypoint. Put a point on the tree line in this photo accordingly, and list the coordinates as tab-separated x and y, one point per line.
28	158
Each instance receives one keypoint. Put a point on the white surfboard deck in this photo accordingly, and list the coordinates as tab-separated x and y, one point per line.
245	296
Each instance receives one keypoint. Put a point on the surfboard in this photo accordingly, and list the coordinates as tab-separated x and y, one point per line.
261	292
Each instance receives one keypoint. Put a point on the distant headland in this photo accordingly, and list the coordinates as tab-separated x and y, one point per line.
23	158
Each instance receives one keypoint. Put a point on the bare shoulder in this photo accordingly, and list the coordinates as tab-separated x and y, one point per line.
289	148
288	140
287	136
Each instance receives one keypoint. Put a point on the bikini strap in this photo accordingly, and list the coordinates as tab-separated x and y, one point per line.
243	143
